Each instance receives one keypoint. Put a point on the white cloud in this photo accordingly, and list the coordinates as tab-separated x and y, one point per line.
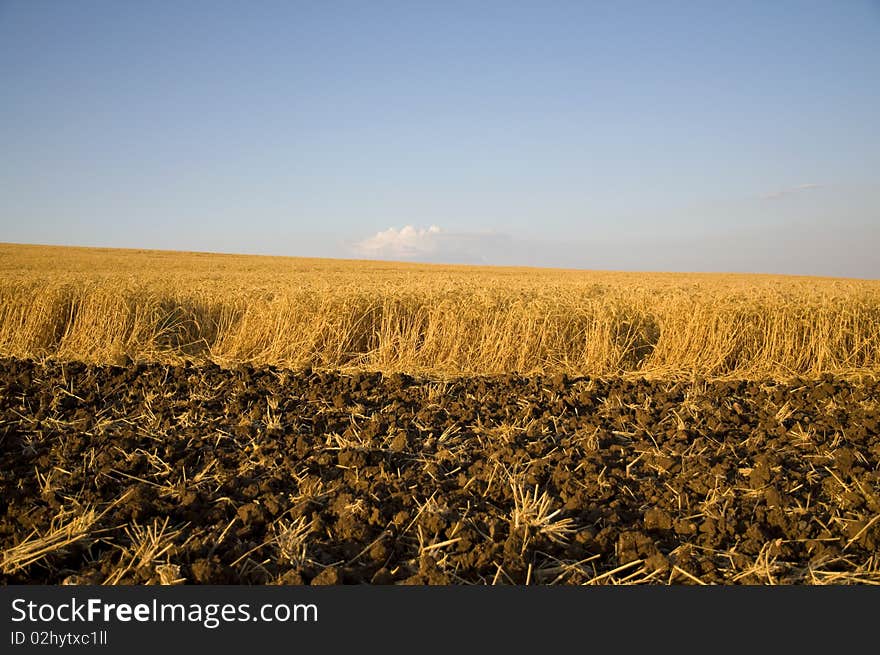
433	244
406	243
790	190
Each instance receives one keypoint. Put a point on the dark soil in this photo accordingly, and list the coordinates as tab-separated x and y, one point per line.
256	476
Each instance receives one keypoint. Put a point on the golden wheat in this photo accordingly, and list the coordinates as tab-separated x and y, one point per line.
105	306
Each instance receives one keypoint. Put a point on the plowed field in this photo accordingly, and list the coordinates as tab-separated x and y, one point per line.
198	474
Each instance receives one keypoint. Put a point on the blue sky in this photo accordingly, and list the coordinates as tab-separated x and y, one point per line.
608	135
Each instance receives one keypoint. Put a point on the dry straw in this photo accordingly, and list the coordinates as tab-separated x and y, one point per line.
109	306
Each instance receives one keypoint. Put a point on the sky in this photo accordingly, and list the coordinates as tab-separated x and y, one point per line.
644	136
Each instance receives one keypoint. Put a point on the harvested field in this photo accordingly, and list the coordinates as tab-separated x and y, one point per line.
155	473
192	418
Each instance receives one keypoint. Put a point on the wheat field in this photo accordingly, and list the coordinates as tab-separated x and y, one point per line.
112	306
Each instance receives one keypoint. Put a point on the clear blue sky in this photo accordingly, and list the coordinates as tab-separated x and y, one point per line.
618	135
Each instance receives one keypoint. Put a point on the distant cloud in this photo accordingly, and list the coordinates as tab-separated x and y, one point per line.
406	243
790	190
430	244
